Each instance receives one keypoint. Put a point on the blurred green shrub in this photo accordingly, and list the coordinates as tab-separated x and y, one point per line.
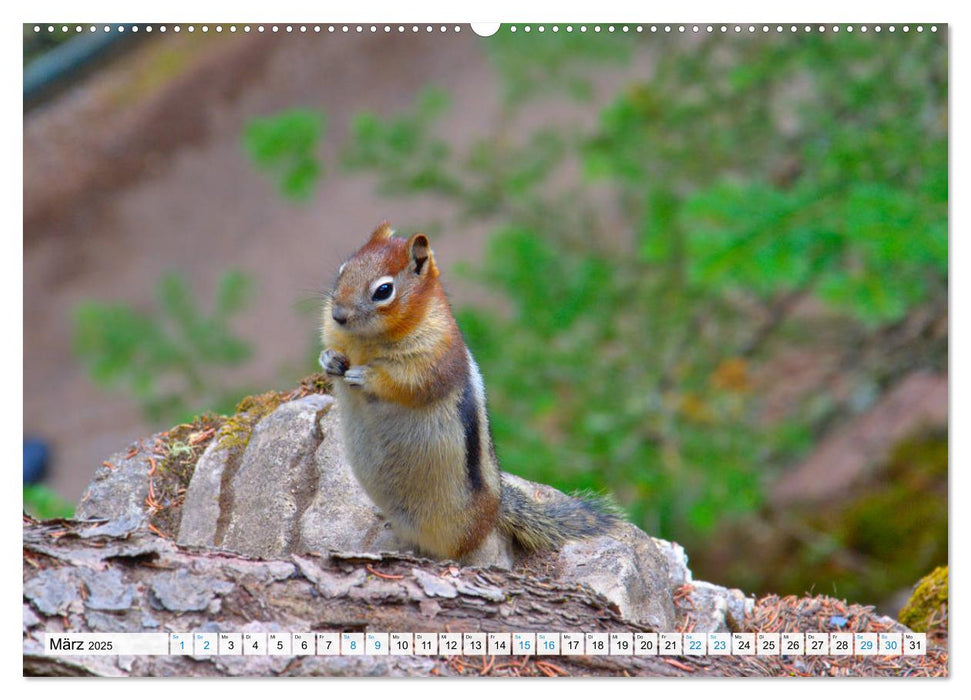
167	358
550	64
742	177
650	261
43	503
405	140
284	146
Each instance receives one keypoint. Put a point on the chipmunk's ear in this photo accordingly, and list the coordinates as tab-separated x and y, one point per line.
381	233
421	256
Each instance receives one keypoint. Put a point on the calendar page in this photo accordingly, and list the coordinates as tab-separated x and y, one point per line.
524	349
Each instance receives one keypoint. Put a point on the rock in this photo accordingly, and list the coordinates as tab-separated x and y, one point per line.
250	502
627	568
496	550
276	480
200	510
717	609
286	489
293	491
118	491
712	608
676	562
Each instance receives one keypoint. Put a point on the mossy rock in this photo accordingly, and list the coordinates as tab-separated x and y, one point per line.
236	430
926	611
181	446
176	455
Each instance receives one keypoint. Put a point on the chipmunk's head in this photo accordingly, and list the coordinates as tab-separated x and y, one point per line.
383	289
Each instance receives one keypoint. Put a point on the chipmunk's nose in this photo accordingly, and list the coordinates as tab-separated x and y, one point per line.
340	314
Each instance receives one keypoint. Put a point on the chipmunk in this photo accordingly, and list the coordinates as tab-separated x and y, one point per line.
414	416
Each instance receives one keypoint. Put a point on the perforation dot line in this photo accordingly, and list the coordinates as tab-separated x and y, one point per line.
441	29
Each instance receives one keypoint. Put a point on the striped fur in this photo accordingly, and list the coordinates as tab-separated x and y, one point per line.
469	415
413	412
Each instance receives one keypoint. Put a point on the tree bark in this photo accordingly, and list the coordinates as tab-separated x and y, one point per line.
87	577
115	576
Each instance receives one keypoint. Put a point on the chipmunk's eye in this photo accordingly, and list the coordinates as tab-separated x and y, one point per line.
383	290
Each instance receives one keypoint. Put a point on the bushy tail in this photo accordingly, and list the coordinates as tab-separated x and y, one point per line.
539	526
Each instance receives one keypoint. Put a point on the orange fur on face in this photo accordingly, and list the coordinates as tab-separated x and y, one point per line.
408	312
385	255
412	344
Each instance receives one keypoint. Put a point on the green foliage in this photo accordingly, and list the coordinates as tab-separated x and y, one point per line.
167	357
649	261
824	168
750	174
406	142
284	146
534	64
42	503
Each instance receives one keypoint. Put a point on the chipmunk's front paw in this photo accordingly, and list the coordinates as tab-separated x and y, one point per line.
357	376
334	363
